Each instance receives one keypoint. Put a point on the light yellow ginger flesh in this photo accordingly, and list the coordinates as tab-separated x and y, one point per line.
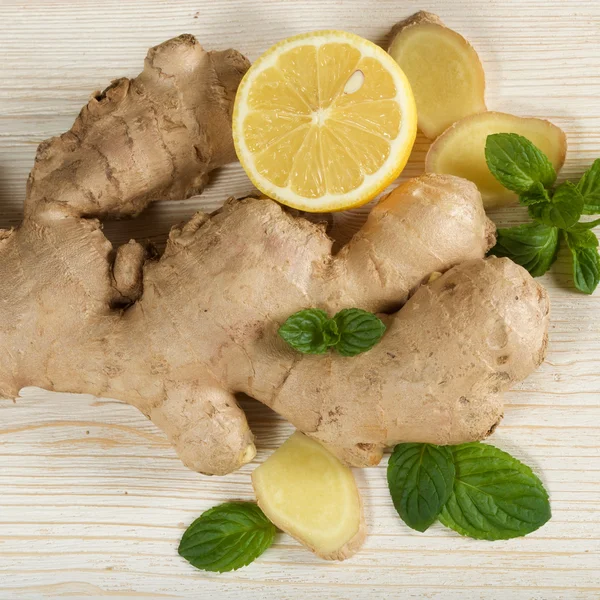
461	150
307	492
179	336
443	69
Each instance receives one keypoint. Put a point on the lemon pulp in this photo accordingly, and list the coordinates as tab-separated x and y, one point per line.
320	123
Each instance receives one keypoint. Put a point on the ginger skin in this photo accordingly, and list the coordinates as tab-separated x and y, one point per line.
179	336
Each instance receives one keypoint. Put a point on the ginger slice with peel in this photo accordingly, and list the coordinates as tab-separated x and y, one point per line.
308	493
461	150
443	69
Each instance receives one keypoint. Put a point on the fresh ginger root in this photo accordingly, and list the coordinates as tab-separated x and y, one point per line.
443	69
179	336
307	492
461	150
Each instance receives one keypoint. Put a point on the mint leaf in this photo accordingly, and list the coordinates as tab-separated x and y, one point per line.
563	210
536	194
517	164
307	331
495	496
585	225
420	478
586	260
589	186
359	331
227	537
533	246
586	269
580	238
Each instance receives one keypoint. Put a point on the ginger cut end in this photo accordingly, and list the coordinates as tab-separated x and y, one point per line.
443	69
307	492
460	150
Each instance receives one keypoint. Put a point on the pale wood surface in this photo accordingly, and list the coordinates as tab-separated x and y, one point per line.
92	499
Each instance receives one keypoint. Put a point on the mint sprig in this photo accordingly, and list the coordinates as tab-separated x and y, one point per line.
227	537
351	331
487	494
521	167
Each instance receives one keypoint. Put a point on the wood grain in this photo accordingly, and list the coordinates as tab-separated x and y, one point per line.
92	499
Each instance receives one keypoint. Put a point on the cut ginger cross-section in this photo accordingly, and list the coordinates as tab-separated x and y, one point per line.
308	493
324	121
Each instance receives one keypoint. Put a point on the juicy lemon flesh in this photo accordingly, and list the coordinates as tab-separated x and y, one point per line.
321	119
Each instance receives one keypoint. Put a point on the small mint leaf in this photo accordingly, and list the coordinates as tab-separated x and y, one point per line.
227	537
533	246
589	186
537	194
359	331
495	496
307	331
584	225
517	163
563	210
585	261
580	238
331	335
420	478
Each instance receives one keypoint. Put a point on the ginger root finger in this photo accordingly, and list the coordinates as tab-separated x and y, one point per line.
426	224
206	426
308	493
443	69
169	127
461	150
127	271
437	374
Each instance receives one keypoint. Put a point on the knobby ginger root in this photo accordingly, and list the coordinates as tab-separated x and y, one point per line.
308	493
461	150
179	336
443	69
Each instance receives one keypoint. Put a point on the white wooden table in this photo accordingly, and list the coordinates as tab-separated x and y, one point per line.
93	500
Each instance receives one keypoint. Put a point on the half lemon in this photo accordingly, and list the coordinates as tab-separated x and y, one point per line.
324	121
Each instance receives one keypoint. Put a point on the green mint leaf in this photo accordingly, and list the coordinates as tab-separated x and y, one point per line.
563	210
536	194
420	478
359	331
533	246
585	225
586	260
589	186
227	537
580	238
495	496
331	335
586	269
517	164
307	331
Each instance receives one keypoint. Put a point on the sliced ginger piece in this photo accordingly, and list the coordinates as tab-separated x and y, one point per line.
443	69
308	493
461	150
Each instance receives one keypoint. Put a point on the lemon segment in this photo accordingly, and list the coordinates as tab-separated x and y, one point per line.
324	121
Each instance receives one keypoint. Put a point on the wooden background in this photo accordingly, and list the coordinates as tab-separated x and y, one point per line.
92	499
